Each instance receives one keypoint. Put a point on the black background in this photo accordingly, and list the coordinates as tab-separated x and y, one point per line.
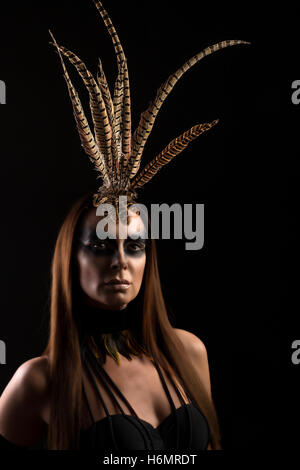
238	293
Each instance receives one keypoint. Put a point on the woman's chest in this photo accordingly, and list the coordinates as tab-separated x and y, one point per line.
134	387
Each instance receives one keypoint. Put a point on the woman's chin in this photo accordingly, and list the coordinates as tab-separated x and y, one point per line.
116	302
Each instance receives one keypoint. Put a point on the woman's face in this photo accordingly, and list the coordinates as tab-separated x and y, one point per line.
101	261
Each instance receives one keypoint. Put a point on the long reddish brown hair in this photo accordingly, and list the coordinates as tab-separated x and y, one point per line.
63	348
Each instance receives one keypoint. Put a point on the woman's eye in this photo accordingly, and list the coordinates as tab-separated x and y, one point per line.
98	246
102	246
137	246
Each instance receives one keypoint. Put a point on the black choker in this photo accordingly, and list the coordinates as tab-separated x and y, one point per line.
111	331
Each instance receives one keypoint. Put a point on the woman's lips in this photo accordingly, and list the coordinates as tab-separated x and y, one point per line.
119	286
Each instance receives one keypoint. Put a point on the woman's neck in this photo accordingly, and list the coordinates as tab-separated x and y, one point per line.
98	320
111	332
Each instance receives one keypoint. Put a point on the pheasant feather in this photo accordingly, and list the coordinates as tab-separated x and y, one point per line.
148	117
87	139
118	106
103	85
126	114
109	105
99	114
175	147
115	154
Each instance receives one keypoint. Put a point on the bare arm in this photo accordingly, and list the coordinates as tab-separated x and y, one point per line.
198	354
22	402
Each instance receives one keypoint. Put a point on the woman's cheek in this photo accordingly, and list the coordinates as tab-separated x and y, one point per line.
140	273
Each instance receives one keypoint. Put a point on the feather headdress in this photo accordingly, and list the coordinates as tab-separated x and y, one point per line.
116	152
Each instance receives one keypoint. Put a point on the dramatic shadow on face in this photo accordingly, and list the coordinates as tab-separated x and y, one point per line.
100	261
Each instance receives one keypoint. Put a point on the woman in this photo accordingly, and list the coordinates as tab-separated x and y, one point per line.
115	374
56	393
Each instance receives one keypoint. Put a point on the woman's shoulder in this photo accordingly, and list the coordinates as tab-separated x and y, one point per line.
22	402
31	378
198	354
34	371
194	345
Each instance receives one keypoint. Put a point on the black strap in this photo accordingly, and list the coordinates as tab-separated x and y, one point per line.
95	386
87	402
100	373
98	367
165	386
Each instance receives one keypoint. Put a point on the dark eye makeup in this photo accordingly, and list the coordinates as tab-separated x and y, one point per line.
105	246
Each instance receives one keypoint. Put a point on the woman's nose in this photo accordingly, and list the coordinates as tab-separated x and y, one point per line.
119	259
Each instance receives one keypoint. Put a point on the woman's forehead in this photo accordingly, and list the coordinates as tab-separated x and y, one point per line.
91	219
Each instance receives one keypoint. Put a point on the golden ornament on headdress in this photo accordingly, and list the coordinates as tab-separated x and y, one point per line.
116	154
